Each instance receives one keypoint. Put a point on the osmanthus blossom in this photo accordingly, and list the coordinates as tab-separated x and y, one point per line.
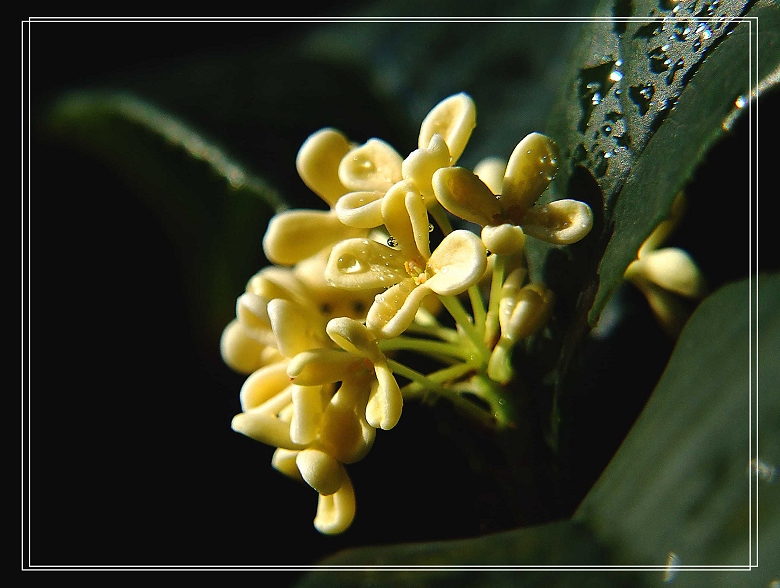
509	212
294	405
248	342
664	274
371	169
294	235
312	335
409	270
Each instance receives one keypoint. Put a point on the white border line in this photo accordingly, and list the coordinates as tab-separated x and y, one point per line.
753	265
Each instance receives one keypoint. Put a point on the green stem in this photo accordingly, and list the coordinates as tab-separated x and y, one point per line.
492	324
440	216
434	348
477	308
431	382
435	330
501	403
462	318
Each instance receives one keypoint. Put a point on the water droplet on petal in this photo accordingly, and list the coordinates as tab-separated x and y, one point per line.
349	264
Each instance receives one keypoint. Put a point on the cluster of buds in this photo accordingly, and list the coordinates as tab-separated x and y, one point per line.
323	331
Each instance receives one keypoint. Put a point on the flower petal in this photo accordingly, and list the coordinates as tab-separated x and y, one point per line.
532	165
318	163
296	329
406	219
503	239
561	222
491	171
360	209
239	350
283	461
263	424
275	282
420	165
394	309
329	300
325	366
335	512
457	263
354	337
252	313
525	311
321	471
344	430
357	264
264	384
307	413
453	118
465	195
385	402
375	165
672	269
294	235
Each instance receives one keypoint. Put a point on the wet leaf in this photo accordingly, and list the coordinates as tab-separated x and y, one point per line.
652	90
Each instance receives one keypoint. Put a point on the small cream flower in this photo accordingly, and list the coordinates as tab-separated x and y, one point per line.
248	343
360	364
335	511
371	169
297	234
507	217
291	405
411	271
665	274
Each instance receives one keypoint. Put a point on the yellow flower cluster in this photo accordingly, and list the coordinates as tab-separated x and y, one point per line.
322	332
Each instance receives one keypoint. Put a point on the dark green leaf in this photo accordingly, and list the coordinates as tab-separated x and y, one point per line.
646	100
700	463
555	544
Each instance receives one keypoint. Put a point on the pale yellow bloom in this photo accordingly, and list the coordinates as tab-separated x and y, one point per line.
248	342
370	170
335	511
512	213
410	271
297	234
360	365
664	274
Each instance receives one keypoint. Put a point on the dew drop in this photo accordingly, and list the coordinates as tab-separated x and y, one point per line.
392	242
741	102
349	264
430	227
